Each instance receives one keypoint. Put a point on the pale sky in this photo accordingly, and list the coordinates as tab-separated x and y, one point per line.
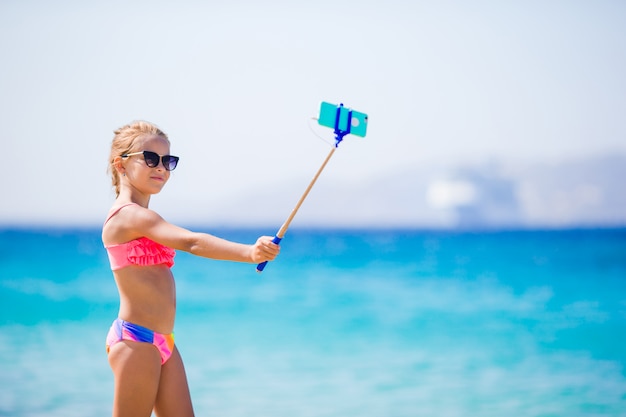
235	84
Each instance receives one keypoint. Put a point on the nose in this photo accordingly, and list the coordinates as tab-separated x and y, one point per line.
160	165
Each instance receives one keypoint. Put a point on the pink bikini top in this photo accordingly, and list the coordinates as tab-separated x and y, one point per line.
141	251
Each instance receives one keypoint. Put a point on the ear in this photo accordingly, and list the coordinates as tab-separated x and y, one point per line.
118	165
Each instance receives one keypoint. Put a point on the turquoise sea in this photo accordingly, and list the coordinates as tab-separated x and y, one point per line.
368	323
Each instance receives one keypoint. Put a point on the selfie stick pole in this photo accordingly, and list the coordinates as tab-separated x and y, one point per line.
339	134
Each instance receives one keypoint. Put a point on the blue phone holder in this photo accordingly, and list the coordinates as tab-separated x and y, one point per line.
339	132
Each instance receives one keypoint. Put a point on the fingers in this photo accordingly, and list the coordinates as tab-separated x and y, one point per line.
270	248
265	249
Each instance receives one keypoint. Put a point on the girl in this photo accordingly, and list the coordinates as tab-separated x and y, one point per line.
148	369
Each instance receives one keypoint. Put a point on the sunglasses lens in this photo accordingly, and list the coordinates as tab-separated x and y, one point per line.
170	162
151	158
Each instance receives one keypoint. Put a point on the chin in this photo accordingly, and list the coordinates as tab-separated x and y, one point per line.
155	190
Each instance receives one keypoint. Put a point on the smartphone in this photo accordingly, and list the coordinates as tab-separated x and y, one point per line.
328	116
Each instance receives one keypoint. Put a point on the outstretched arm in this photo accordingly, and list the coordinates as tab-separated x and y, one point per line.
210	246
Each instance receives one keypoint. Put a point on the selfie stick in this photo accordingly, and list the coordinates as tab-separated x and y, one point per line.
339	134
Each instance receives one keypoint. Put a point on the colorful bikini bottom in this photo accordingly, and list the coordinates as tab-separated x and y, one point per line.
124	330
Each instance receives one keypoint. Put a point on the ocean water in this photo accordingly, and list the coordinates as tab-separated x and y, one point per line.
345	323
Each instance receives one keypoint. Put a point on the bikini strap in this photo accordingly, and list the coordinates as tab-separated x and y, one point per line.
117	211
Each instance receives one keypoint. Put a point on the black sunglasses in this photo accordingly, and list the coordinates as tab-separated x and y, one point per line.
152	159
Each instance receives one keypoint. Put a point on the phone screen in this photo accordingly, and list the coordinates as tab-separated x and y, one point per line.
328	116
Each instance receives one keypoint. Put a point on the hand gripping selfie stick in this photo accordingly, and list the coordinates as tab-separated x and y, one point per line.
343	121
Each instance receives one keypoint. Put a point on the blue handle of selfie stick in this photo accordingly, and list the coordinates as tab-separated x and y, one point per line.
260	267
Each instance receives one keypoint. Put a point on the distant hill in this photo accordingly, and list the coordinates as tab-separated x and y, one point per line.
588	192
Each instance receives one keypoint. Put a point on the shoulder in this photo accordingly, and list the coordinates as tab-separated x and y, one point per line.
129	221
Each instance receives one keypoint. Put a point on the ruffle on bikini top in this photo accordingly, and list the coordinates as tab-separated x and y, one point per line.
140	252
144	251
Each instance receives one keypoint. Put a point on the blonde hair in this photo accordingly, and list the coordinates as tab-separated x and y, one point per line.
124	140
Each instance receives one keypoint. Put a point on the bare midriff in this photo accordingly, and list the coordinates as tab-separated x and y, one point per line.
147	296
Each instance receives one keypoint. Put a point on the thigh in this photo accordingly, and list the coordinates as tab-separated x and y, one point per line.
137	370
173	399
